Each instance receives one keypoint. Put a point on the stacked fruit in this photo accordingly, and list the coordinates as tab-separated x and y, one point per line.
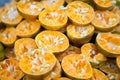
60	40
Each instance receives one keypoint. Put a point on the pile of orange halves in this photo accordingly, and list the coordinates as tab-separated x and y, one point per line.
60	40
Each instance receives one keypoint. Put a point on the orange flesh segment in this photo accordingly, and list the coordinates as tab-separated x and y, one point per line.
90	51
104	3
55	73
52	40
27	27
10	69
37	62
23	46
30	7
117	12
10	14
80	12
109	42
76	66
98	75
8	35
53	17
105	19
80	31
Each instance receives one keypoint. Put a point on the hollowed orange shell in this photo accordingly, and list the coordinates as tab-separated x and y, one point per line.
9	70
80	13
76	66
24	45
90	51
53	41
55	73
104	4
10	16
8	36
80	34
53	19
98	75
37	63
117	12
28	28
108	44
105	20
29	9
